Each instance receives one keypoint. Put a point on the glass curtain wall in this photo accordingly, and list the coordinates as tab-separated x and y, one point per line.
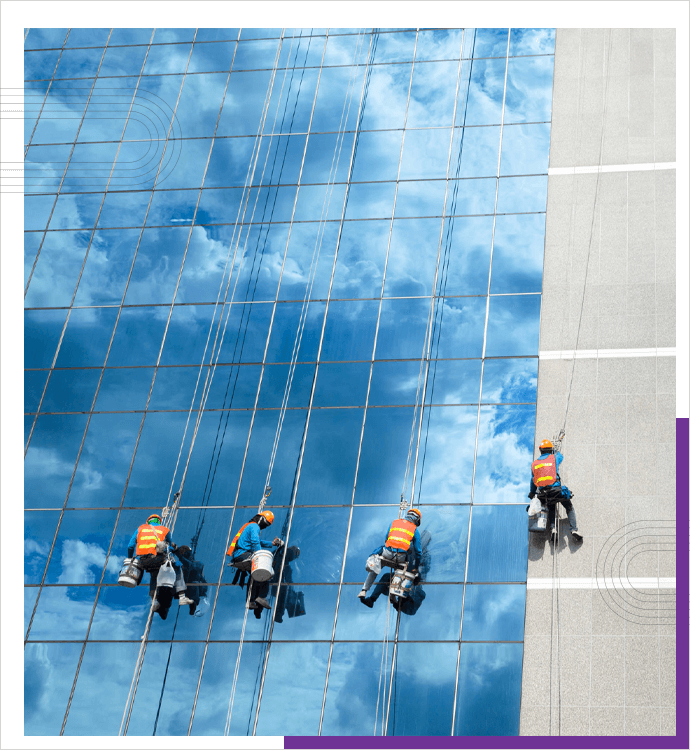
308	258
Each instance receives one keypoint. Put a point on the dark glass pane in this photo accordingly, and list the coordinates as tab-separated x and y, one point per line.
402	328
494	613
131	36
32	241
34	382
86	339
454	382
157	266
286	338
466	254
349	333
138	337
513	327
76	211
395	383
317	621
518	257
328	157
462	327
168	58
30	594
45	38
412	257
361	258
40	65
37	210
436	617
290	109
212	57
489	689
71	390
42	329
256	54
125	389
39	530
231	387
246	333
498	544
278	383
342	384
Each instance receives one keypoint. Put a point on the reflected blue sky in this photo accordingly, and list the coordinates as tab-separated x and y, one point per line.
236	184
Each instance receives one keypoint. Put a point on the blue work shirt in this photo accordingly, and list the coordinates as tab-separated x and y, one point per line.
557	483
249	541
133	542
415	548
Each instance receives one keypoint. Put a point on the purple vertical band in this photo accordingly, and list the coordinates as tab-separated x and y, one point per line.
682	582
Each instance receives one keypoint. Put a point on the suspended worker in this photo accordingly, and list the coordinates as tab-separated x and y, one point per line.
193	572
149	541
546	484
244	544
402	545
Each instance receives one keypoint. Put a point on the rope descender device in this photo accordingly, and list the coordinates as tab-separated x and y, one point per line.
403	506
267	492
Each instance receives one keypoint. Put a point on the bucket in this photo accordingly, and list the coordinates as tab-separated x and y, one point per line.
262	568
538	523
166	575
130	573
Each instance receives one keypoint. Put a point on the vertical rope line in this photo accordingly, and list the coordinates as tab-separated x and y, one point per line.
384	728
231	703
383	668
45	99
313	388
165	676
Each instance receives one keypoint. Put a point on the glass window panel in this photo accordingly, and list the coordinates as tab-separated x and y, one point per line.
50	460
39	530
131	36
208	58
57	270
513	325
424	675
358	622
394	383
37	210
123	210
361	257
315	624
284	334
432	97
502	475
105	460
349	333
462	327
125	389
426	154
174	387
79	63
521	194
454	382
402	328
176	666
373	201
529	89
387	97
330	457
155	104
212	35
421	198
353	685
76	211
489	689
279	161
338	101
62	115
378	156
87	37
173	35
32	241
256	321
474	197
91	163
342	384
367	532
439	619
498	544
258	457
42	329
290	109
446	431
34	94
157	265
318	202
510	380
212	707
302	666
184	163
80	549
494	613
123	61
86	338
412	257
230	207
71	390
485	94
525	149
244	102
40	65
30	594
70	606
274	384
139	336
328	157
230	608
167	58
252	55
518	257
45	38
200	103
107	267
177	205
343	50
309	243
231	387
491	43
34	382
48	676
475	152
439	44
384	454
395	47
104	680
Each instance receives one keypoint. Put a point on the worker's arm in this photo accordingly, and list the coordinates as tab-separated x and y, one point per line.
417	547
559	461
132	544
255	542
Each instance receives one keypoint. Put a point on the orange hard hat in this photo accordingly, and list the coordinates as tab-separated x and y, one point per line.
417	513
156	516
267	515
545	444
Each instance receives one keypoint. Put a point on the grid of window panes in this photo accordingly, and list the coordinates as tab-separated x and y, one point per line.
203	209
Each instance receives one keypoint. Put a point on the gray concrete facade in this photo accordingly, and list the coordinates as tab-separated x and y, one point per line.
599	653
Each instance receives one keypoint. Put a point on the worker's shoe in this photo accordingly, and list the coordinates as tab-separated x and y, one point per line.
362	594
257	612
156	605
185	600
367	602
262	602
576	536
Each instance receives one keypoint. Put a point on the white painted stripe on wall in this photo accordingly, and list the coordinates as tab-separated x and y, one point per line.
661	351
596	583
612	168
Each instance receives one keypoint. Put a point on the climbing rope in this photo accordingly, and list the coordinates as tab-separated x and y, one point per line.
382	672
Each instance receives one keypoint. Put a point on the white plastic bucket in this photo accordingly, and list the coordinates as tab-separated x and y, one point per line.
262	567
130	573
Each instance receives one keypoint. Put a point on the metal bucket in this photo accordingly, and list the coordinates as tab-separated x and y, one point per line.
401	583
166	575
262	568
539	522
130	573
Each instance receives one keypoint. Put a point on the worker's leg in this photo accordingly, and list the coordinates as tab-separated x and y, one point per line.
570	511
368	581
551	508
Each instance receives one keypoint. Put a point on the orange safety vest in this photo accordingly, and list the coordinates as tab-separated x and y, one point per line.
233	543
544	471
401	534
147	536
